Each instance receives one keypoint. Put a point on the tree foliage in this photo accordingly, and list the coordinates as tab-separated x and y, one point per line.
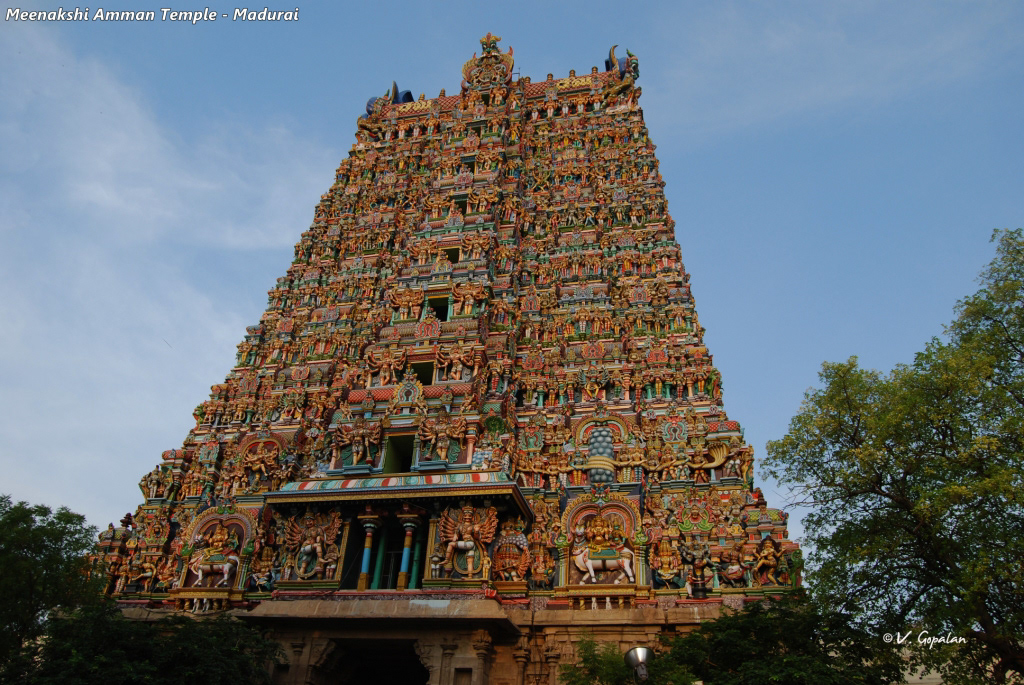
96	645
57	628
781	640
605	665
914	479
786	640
43	566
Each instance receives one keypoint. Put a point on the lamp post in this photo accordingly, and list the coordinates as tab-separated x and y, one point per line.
636	659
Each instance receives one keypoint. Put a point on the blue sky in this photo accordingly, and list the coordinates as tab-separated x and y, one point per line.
835	171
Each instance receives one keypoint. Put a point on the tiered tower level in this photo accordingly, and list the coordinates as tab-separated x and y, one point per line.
481	380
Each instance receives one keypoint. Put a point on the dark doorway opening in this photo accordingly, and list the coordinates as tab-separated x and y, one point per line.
381	662
398	458
440	307
424	372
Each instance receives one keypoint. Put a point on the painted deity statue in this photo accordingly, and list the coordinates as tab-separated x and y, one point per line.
600	545
361	436
437	434
512	552
310	542
466	538
216	552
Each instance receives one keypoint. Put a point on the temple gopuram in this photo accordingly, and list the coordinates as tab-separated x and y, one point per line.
477	419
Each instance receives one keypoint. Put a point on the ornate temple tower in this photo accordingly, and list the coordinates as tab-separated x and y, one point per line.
477	418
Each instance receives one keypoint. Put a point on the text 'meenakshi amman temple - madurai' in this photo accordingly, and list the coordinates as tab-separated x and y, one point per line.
477	418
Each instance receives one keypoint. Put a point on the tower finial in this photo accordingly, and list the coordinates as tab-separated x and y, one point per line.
489	43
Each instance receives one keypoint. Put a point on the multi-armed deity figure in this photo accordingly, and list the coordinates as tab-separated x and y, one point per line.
361	436
466	536
387	361
310	542
436	435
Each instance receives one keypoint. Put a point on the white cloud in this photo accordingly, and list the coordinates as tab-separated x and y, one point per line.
735	68
106	344
111	165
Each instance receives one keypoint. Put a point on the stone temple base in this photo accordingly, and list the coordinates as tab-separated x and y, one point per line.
435	641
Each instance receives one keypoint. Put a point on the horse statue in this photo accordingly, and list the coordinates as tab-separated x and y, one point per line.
223	564
591	561
600	546
217	553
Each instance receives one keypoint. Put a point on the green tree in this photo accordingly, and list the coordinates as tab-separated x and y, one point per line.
914	480
786	640
780	640
605	665
97	645
43	566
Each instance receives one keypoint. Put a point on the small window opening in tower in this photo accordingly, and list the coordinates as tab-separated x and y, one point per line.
424	372
452	254
461	204
440	307
398	458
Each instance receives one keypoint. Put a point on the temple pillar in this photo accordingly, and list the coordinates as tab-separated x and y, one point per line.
641	570
319	652
417	556
552	655
370	523
562	570
482	649
410	523
427	652
447	674
522	658
378	566
346	530
306	657
431	535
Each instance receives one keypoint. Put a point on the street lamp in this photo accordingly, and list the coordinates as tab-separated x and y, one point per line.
636	659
